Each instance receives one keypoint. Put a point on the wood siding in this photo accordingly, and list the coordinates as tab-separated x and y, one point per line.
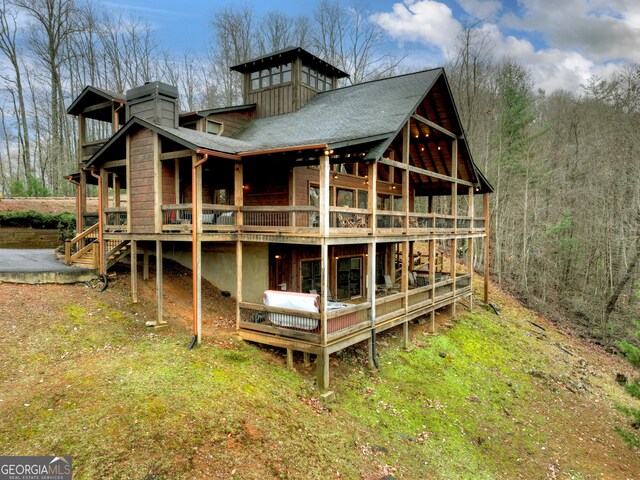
141	183
232	122
168	182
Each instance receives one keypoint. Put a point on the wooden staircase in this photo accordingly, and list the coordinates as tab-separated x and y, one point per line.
84	250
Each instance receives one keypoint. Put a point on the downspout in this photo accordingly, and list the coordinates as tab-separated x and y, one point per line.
194	247
116	119
100	221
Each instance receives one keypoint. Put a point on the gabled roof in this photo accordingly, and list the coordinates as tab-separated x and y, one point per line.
369	114
186	137
91	96
355	114
212	111
287	55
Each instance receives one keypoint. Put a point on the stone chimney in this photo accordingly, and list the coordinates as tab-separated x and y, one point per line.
156	102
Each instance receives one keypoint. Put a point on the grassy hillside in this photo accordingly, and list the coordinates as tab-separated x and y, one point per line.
486	397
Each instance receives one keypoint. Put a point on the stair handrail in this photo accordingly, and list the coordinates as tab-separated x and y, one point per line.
68	244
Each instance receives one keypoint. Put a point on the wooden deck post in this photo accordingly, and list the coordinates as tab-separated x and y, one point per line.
322	361
238	191
289	359
371	293
322	370
432	279
159	280
324	196
145	264
470	250
198	287
134	271
238	281
487	255
372	195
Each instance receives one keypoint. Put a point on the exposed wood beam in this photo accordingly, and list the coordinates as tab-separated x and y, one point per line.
115	163
433	125
176	154
98	106
421	171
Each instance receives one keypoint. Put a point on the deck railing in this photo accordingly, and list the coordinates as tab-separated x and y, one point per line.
299	220
351	319
295	219
176	217
116	219
345	218
307	326
218	217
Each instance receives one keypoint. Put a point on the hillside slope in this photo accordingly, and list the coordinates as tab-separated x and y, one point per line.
488	396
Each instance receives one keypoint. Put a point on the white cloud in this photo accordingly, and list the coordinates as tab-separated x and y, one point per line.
480	9
602	30
574	39
426	21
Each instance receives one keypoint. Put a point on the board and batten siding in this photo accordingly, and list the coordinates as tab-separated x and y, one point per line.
141	188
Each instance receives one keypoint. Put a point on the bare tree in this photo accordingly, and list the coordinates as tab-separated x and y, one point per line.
9	47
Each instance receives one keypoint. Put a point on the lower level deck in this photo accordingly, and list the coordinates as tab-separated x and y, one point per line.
325	333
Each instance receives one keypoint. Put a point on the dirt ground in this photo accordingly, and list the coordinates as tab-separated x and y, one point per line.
51	205
575	406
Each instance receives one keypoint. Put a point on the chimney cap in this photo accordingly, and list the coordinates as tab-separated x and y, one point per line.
152	88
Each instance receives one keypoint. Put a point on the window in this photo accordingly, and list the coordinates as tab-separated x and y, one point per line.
271	76
349	281
221	196
310	274
344	198
363	199
189	125
214	128
314	196
316	79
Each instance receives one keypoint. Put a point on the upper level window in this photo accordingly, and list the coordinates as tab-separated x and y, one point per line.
271	76
315	79
214	127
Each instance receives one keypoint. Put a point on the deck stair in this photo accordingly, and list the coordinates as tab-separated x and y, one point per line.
118	250
84	250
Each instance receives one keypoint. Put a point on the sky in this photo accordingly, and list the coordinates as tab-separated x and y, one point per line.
562	42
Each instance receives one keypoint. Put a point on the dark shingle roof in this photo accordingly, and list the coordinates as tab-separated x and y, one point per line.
360	112
284	55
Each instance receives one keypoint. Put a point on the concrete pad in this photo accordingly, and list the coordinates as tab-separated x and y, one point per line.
39	266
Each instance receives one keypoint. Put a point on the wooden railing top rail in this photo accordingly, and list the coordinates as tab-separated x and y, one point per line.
218	207
115	210
84	234
350	210
286	311
348	310
281	208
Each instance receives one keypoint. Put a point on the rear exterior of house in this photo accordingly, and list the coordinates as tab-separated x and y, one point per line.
330	213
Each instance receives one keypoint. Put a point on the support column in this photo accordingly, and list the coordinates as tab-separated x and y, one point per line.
134	271
238	281
454	253
470	249
322	360
322	369
159	281
238	191
487	256
432	280
198	290
373	195
145	264
371	293
324	196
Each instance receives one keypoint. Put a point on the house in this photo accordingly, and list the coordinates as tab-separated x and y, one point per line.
330	213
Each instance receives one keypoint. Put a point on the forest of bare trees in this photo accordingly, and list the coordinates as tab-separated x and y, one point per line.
565	164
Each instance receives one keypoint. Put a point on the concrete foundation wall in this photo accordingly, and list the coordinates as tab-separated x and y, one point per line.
219	266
